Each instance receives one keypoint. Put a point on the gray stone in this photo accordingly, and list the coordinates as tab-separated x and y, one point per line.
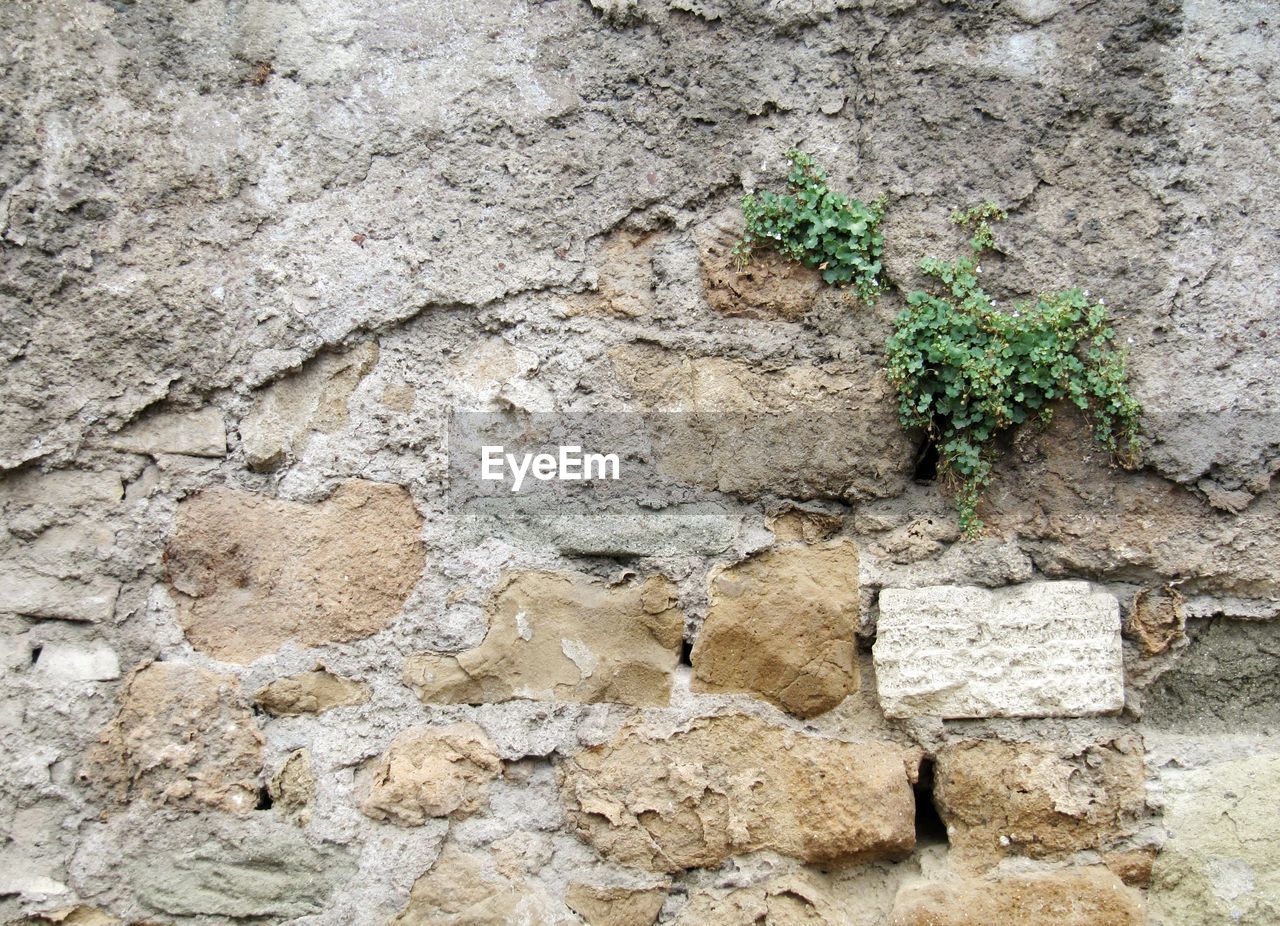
71	662
1044	649
34	595
198	434
1224	679
276	873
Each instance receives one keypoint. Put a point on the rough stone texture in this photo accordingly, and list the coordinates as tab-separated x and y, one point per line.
198	433
806	595
615	906
1037	799
1045	649
788	901
272	873
253	572
1157	619
768	287
204	203
563	636
1226	679
1071	897
67	662
184	737
464	890
735	784
432	772
799	430
293	787
312	401
32	594
309	693
1218	864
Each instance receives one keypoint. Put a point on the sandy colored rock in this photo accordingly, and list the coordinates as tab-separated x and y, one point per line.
734	784
1133	866
1157	619
432	772
196	433
781	625
1037	799
462	889
799	430
293	788
309	693
563	636
615	906
311	401
627	281
770	286
804	525
250	572
184	737
1219	863
79	915
1071	897
792	900
1041	649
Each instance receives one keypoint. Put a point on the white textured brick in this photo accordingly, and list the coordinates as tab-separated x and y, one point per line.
1044	649
34	595
198	433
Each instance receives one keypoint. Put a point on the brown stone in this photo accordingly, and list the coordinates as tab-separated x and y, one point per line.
311	401
769	286
251	572
1072	897
1157	619
293	788
309	693
1036	799
792	900
463	889
803	525
183	737
563	636
781	625
615	906
1132	867
626	275
735	784
1082	515
432	772
799	430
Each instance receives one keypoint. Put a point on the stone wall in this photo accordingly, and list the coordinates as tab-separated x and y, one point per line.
260	666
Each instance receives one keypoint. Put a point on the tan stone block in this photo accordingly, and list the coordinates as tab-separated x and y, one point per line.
293	788
770	286
792	900
251	572
184	737
1036	799
1157	619
563	636
199	433
616	906
309	693
734	784
1071	897
432	772
781	625
462	889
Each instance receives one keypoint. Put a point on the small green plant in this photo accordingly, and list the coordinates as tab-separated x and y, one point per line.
817	227
966	371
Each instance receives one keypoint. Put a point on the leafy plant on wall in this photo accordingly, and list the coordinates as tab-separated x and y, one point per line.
818	227
965	371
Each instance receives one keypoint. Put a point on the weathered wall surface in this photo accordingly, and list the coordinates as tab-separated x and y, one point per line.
258	666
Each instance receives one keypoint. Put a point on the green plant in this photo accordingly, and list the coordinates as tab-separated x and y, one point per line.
966	371
818	227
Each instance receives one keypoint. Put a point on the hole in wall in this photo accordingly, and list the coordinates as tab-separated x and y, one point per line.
686	653
35	654
927	461
264	799
930	830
